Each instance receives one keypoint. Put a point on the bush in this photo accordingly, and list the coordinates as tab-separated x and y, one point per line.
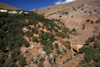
74	30
45	48
28	33
40	64
82	50
83	26
88	20
44	42
35	30
58	51
60	16
98	21
39	26
29	39
42	59
42	31
55	30
67	60
96	45
75	54
92	22
87	42
60	57
98	37
34	39
29	27
26	51
48	52
50	60
56	44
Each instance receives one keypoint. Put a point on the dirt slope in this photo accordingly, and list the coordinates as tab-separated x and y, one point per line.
8	7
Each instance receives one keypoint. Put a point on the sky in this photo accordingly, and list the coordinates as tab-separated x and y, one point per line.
31	4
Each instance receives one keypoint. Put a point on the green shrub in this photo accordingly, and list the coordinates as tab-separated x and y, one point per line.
60	57
48	52
40	64
98	21
45	48
67	60
29	27
42	59
58	51
29	39
75	54
42	31
56	44
60	16
87	42
98	37
83	26
96	45
92	22
34	39
39	26
28	33
88	20
50	60
26	51
74	30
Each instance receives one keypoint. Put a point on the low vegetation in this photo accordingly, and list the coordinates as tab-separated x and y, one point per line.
92	53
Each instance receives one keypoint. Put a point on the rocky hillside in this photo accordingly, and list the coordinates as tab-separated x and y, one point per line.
28	40
7	7
78	7
68	35
74	15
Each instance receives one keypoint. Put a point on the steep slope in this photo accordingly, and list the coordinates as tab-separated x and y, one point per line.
74	15
69	7
81	15
8	7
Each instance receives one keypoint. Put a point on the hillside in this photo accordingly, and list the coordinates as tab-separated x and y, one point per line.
74	15
8	7
65	35
77	7
32	40
81	15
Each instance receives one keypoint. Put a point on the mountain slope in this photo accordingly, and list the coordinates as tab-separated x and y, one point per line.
69	7
74	15
8	7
